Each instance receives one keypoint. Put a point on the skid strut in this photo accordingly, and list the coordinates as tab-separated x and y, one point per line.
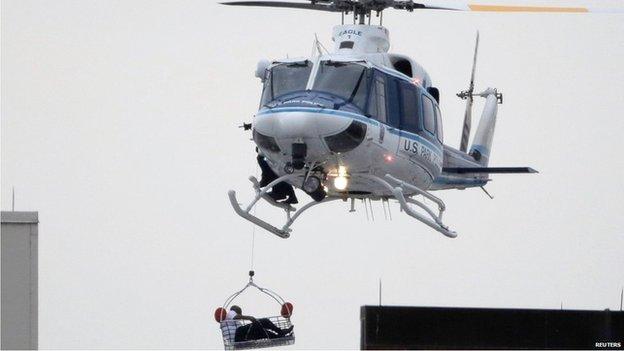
434	220
262	193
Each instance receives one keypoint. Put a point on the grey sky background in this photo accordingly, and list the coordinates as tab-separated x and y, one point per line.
119	126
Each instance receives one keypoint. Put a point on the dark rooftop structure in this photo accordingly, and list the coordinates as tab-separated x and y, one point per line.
19	239
397	327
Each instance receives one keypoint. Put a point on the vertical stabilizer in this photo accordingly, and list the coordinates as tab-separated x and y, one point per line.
482	143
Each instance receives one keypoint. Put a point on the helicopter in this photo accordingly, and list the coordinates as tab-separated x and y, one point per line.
361	123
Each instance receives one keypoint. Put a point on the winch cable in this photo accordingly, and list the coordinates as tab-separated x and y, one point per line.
253	242
253	229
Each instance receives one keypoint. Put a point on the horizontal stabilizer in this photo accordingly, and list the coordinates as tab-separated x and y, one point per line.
489	170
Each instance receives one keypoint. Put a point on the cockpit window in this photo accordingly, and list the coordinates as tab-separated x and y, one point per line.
285	78
344	79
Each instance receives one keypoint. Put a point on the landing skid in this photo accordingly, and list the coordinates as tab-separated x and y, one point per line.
431	219
434	221
261	193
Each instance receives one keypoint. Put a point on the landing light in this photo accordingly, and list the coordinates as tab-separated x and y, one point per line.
388	158
341	181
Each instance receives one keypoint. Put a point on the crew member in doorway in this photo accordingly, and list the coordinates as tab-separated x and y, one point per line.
258	328
281	192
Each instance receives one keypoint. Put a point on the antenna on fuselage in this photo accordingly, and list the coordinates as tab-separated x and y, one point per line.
319	46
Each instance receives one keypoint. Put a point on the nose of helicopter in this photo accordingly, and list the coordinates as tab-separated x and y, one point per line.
299	124
296	126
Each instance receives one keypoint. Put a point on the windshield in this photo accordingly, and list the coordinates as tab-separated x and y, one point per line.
346	80
285	78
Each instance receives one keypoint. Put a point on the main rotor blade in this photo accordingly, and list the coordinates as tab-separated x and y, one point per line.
286	4
502	8
366	6
460	5
345	5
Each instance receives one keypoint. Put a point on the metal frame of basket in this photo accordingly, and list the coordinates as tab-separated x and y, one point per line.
279	321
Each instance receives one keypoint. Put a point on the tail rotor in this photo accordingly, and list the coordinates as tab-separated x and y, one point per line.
482	141
468	96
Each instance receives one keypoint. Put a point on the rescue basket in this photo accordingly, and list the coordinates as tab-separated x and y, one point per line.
241	334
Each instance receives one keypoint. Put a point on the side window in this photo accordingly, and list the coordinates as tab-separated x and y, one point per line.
439	124
380	86
393	113
428	114
409	108
377	99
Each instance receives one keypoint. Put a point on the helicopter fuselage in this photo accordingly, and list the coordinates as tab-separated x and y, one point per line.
350	113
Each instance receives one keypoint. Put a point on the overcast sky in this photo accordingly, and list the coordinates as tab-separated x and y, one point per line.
119	125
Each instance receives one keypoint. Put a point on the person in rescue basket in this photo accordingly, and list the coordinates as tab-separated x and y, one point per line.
258	328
